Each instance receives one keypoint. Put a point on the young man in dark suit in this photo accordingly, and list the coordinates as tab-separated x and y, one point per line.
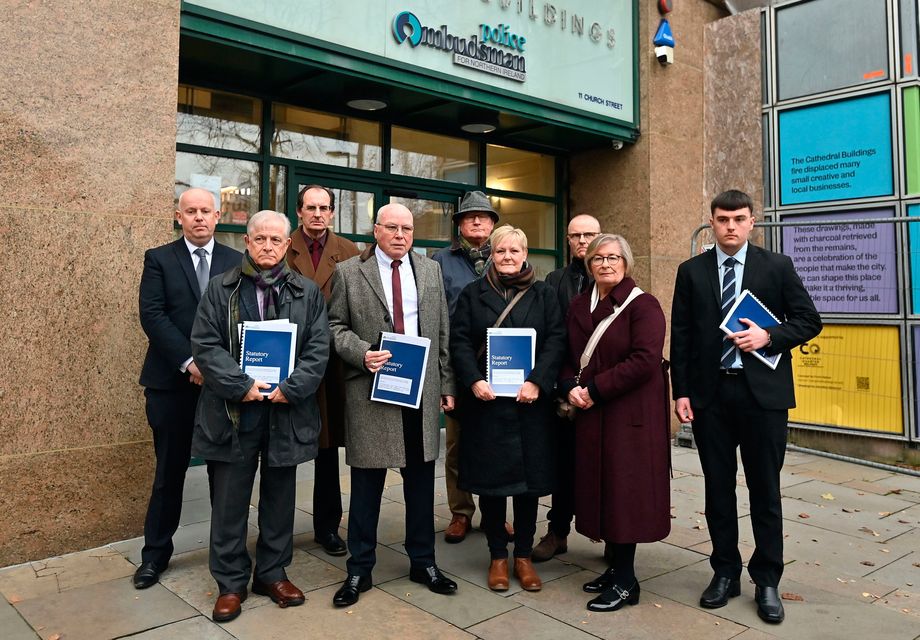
173	279
735	400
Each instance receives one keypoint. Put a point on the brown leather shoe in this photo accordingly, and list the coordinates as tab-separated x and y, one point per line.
457	529
498	574
526	574
228	606
283	593
549	545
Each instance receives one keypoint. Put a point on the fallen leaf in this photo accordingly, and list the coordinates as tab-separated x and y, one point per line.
717	624
905	610
56	636
701	527
850	510
14	599
917	564
868	530
866	594
868	563
841	580
884	514
788	595
885	550
901	521
828	496
804	515
657	606
895	491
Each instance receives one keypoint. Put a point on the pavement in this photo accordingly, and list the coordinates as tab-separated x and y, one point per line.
852	553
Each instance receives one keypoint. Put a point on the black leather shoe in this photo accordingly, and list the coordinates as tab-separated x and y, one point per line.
146	575
718	592
769	605
432	578
332	544
601	583
615	598
353	586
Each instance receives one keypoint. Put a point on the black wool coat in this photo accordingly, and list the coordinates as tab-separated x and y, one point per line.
507	448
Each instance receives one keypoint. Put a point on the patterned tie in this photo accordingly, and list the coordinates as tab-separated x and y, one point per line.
202	271
398	325
729	350
316	251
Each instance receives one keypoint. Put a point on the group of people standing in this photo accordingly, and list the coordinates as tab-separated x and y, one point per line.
590	423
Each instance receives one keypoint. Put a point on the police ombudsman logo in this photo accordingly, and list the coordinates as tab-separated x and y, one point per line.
407	20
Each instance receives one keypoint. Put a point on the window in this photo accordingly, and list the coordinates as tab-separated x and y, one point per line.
324	138
219	120
515	170
429	155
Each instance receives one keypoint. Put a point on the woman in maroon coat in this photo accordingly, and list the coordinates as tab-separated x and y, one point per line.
622	428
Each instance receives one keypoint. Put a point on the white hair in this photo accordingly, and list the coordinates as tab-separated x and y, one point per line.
265	214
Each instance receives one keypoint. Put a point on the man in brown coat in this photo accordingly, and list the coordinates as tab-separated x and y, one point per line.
314	252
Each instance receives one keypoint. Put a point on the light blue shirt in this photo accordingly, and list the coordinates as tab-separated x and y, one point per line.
741	258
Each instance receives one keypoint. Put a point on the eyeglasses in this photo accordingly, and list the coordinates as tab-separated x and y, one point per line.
276	241
599	260
590	235
393	228
312	208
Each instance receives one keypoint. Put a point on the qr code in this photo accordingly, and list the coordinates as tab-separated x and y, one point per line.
862	383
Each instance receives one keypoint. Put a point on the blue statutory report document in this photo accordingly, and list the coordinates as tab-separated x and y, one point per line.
748	306
401	380
510	356
267	351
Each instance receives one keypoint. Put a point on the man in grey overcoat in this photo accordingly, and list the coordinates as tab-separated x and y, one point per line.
390	288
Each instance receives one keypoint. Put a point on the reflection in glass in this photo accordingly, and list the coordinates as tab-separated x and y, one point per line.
433	219
515	170
537	219
234	183
277	201
767	175
217	119
354	212
542	264
428	155
325	138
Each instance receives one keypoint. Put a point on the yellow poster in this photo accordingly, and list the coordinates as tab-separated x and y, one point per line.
850	376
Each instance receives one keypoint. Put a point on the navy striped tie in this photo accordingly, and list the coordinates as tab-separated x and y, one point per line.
728	299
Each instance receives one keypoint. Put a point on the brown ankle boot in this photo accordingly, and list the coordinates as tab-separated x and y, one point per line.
526	574
549	545
498	574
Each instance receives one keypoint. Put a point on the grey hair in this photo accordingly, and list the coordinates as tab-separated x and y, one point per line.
609	238
264	215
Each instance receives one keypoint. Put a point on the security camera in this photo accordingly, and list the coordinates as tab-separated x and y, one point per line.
665	55
617	145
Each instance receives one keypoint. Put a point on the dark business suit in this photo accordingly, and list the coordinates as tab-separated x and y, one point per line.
168	299
749	410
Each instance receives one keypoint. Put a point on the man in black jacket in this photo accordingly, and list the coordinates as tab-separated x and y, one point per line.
173	279
568	282
734	400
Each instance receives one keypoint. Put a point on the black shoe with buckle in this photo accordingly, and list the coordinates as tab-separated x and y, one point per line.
432	578
351	589
601	583
616	598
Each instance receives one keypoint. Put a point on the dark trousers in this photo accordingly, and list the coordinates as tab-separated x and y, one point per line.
327	492
563	510
736	420
229	560
493	509
171	414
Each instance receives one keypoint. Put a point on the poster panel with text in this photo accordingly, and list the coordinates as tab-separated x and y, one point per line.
850	376
847	268
836	150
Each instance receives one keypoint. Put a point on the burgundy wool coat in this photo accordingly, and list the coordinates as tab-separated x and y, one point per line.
622	443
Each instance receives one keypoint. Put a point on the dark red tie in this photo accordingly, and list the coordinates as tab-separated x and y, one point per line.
316	250
398	325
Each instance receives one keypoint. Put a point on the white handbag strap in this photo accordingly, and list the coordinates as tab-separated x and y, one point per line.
601	329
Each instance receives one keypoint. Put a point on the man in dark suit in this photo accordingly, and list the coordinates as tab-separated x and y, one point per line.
314	252
735	400
174	277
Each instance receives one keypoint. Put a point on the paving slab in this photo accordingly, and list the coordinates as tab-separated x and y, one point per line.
378	616
470	605
838	471
45	577
655	617
391	564
13	625
197	628
525	622
104	610
195	510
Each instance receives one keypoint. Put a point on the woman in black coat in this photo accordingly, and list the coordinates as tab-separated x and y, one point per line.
507	444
